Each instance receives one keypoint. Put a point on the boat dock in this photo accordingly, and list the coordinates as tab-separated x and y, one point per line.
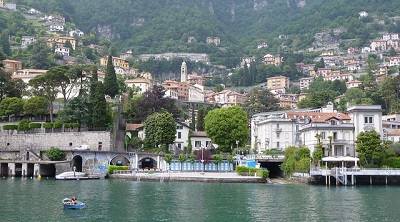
355	175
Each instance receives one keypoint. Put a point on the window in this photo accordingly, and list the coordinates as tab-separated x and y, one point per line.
368	119
277	145
179	135
323	136
179	146
197	143
277	135
333	122
208	143
100	145
70	144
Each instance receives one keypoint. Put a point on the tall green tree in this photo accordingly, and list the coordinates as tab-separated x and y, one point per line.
100	117
92	92
182	158
4	42
217	159
111	86
47	86
35	106
75	111
225	126
10	87
168	158
201	114
40	52
160	129
260	100
369	148
11	106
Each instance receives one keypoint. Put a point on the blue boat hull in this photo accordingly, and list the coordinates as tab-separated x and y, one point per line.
68	205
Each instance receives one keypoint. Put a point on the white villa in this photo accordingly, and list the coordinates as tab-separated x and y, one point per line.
281	129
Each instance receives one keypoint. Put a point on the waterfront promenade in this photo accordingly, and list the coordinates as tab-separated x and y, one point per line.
173	176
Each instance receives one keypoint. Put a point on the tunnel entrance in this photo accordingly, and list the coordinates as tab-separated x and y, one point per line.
273	168
77	163
120	161
147	163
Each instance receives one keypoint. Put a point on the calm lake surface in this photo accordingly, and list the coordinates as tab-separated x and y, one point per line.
119	200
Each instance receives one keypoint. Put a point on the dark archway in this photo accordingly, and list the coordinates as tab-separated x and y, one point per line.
120	161
274	169
77	162
147	163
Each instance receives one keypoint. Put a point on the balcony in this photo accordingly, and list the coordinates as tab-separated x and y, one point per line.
278	130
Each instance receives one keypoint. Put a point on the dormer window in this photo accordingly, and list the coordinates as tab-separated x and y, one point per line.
333	122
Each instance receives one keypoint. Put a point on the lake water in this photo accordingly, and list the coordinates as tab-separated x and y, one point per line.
119	200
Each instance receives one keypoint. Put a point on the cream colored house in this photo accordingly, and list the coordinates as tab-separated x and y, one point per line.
140	84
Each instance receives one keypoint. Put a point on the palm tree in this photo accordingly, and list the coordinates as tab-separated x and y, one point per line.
330	143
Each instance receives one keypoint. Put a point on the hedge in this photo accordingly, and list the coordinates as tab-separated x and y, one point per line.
10	127
112	168
57	125
48	125
35	125
75	125
242	170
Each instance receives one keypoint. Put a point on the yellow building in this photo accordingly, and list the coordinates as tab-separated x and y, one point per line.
117	62
60	42
11	66
278	83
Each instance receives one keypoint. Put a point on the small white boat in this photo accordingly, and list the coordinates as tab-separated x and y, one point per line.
71	175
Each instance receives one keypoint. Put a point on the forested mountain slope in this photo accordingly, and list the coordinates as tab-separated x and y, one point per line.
165	25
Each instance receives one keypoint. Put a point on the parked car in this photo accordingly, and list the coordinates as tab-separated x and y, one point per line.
82	147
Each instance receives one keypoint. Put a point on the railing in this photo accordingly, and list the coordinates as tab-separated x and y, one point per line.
356	171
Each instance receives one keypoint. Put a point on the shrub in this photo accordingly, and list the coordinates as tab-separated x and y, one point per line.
48	125
55	154
57	125
242	170
75	125
112	168
10	127
23	125
35	125
67	125
392	162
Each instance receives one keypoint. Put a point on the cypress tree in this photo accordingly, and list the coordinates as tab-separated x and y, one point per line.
99	116
201	113
92	92
110	79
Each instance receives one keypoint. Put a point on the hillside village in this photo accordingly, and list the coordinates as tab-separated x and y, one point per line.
290	126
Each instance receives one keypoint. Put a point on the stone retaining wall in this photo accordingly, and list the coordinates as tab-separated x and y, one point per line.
98	140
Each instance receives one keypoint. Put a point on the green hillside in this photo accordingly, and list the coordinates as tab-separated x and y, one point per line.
157	26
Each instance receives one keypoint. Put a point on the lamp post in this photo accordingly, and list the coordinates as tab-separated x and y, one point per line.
74	170
237	152
202	159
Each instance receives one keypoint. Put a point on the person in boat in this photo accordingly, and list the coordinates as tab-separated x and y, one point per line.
74	200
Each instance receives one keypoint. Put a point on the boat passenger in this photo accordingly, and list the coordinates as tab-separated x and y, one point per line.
74	200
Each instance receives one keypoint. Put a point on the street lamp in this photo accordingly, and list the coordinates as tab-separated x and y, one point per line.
237	152
202	158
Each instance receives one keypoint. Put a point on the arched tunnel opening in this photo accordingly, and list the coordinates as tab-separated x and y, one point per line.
274	169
